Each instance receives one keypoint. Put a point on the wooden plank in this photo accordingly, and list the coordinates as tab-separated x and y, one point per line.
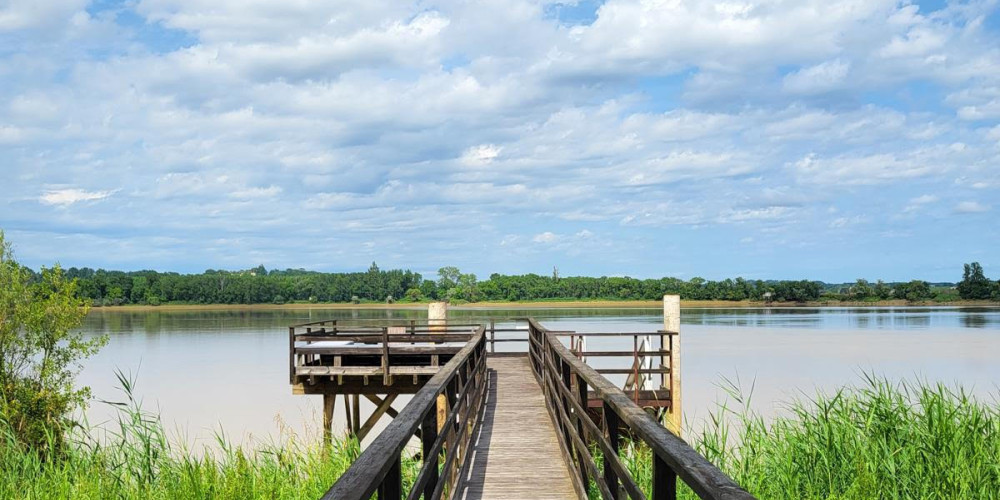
515	452
415	370
356	385
321	371
377	350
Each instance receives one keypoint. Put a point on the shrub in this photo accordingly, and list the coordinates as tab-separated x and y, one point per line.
40	353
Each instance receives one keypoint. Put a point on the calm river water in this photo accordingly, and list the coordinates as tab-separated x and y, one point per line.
228	369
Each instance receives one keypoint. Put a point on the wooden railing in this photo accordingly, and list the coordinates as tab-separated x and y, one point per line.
567	383
375	334
458	389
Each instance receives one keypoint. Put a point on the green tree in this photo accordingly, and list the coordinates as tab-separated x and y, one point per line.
913	291
40	354
974	284
414	295
882	290
862	289
448	277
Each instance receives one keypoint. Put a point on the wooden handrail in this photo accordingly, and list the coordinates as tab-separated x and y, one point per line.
463	382
564	377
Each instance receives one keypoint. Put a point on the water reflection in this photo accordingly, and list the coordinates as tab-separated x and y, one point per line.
228	367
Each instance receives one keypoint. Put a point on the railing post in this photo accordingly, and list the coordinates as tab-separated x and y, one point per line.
611	423
565	381
635	369
392	485
453	443
493	336
581	387
428	435
291	354
386	377
664	480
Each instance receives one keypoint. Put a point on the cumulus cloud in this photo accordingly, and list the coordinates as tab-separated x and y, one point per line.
822	77
415	133
971	207
66	197
546	237
480	155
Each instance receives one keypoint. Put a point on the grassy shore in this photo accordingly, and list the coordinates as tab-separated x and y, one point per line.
878	440
134	459
547	304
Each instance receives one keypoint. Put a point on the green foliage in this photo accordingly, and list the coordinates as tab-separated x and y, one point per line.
253	286
414	295
40	353
913	291
974	285
259	286
879	440
134	459
457	287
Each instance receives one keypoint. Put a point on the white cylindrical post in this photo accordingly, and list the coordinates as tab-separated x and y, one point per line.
672	325
437	315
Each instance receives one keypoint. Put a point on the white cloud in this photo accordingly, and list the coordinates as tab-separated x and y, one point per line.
419	130
822	77
256	192
842	222
916	204
480	155
546	238
752	214
66	197
971	207
26	14
873	169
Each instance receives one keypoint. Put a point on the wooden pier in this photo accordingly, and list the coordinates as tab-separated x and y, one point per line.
531	423
504	447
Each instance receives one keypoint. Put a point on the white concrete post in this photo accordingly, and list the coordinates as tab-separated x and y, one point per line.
437	315
437	318
672	323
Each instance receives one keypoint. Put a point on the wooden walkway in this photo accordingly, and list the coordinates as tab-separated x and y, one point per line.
515	454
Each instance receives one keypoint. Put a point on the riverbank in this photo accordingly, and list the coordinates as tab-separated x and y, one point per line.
547	304
873	440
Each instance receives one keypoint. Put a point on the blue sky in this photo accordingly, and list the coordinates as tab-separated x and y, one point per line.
768	139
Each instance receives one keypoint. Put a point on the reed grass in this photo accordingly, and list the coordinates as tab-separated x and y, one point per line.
879	439
134	459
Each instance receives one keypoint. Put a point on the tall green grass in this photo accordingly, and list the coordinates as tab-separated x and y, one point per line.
878	440
134	459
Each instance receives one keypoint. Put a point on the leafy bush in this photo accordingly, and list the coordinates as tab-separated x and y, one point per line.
39	353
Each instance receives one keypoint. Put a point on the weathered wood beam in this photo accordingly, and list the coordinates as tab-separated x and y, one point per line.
383	407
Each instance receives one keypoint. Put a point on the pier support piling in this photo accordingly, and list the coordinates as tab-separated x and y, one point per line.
329	402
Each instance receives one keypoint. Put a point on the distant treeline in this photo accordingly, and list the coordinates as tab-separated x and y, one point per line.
262	286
